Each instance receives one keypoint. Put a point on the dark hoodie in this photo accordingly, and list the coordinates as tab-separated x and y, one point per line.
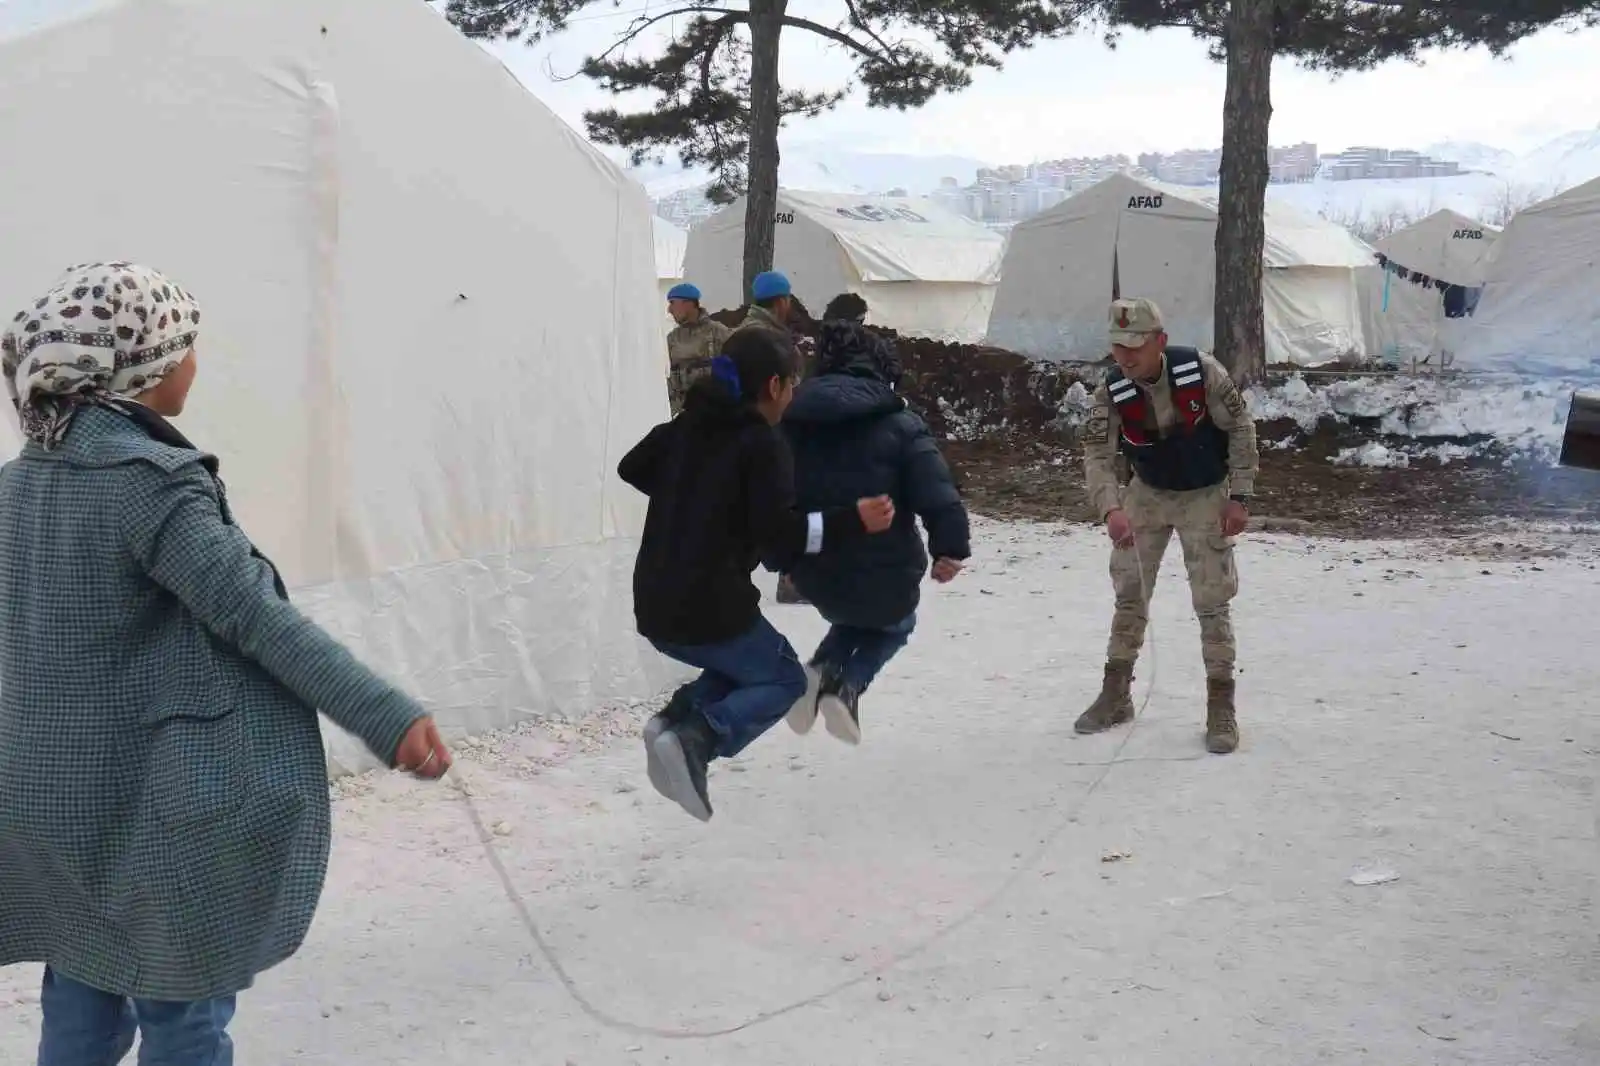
852	436
721	488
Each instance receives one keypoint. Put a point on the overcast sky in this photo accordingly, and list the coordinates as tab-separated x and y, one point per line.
1155	92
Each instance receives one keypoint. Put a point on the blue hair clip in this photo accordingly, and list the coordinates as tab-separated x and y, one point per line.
723	370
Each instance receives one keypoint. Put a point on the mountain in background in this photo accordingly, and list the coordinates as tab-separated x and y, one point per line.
1571	159
1475	156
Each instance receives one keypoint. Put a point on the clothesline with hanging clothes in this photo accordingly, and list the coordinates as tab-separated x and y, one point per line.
1459	300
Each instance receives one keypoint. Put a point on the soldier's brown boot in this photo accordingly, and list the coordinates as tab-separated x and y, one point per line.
1114	705
1222	728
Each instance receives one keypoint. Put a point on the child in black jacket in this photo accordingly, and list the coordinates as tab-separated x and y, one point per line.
721	488
852	435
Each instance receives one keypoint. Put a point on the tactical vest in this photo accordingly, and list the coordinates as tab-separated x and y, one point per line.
1192	454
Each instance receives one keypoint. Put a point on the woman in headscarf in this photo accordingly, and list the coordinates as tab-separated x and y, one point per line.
164	814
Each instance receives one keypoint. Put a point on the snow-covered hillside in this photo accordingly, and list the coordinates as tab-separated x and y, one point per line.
1482	196
1499	183
1475	156
1569	160
816	168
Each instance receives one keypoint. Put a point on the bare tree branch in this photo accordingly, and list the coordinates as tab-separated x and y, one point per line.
639	25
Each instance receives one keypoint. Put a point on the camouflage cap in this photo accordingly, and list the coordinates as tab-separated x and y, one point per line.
1133	320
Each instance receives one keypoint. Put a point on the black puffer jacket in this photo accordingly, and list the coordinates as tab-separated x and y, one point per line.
852	437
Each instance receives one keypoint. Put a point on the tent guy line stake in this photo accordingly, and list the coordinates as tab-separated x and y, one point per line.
977	910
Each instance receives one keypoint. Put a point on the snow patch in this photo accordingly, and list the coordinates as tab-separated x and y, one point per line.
1075	407
1443	420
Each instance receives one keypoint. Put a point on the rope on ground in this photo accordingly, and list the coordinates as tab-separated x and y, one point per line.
622	1025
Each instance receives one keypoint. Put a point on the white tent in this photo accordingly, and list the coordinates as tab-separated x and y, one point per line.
1407	319
1141	238
1540	310
431	319
671	243
923	270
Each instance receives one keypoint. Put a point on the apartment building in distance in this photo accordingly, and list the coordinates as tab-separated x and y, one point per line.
1294	163
1367	163
1000	196
1201	166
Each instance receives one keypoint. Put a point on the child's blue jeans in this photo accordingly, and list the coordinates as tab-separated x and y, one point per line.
859	654
748	684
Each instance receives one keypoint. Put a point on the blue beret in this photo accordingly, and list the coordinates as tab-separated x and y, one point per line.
684	291
769	286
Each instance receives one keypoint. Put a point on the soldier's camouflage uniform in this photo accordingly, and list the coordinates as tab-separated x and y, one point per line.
690	350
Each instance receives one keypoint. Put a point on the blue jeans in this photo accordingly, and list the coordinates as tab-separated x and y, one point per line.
860	654
86	1027
748	685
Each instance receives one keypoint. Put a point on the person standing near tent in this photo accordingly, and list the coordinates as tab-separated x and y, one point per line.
693	343
721	489
1180	423
164	815
852	435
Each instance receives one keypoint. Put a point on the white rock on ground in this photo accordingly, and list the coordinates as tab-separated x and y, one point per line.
1407	708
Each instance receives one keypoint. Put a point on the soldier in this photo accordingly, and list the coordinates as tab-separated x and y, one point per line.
691	346
1179	422
771	300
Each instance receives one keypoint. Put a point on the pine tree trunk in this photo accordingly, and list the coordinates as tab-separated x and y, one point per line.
1240	327
761	198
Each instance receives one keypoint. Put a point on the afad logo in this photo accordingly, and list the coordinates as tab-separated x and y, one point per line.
1467	235
1143	203
873	213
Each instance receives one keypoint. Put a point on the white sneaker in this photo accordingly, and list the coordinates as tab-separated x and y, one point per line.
803	715
841	712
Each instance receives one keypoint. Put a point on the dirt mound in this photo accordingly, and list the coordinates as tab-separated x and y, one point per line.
966	391
975	392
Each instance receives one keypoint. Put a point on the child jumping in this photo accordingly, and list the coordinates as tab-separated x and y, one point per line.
721	488
852	436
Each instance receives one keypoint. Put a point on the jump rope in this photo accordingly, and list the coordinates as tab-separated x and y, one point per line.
622	1025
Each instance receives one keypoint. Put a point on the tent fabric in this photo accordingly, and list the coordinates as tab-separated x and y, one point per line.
1446	245
427	340
671	242
1540	309
1158	241
670	245
922	269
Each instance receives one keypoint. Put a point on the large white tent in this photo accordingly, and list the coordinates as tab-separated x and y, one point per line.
1133	237
1405	302
922	269
1540	309
431	319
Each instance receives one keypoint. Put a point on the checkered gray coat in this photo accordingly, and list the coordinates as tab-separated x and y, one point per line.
164	819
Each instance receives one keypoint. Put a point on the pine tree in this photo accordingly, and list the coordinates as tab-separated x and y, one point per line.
1331	35
720	104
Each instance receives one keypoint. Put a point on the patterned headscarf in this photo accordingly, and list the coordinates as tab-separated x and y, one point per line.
103	331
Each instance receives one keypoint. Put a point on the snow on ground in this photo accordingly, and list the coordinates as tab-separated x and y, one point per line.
1408	709
1441	419
1475	195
